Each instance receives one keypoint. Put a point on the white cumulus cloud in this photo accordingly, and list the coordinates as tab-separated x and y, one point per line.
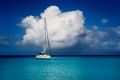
64	28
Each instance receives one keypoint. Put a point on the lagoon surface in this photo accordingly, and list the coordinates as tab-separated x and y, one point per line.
60	68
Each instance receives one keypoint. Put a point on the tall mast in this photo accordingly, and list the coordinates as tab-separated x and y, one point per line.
47	44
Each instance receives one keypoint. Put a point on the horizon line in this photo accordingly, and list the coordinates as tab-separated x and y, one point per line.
57	55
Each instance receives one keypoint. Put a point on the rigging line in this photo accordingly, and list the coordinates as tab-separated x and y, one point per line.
48	44
45	43
47	39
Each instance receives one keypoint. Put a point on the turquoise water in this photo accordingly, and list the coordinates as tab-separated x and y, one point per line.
60	68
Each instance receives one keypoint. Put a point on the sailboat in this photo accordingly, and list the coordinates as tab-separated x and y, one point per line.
46	53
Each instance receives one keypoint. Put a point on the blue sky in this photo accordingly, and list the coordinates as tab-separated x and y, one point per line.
100	16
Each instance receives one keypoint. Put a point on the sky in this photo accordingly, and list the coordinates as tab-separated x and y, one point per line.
76	27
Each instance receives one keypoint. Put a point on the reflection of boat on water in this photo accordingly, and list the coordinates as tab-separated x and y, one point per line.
45	54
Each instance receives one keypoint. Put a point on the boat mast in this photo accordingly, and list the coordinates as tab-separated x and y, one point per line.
47	43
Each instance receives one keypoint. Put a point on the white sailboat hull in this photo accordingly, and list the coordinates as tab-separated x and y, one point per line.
43	56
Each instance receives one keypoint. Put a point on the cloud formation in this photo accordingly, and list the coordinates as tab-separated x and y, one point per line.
64	28
95	38
3	40
116	30
104	20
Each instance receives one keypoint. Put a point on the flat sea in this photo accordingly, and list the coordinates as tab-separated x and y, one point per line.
60	68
